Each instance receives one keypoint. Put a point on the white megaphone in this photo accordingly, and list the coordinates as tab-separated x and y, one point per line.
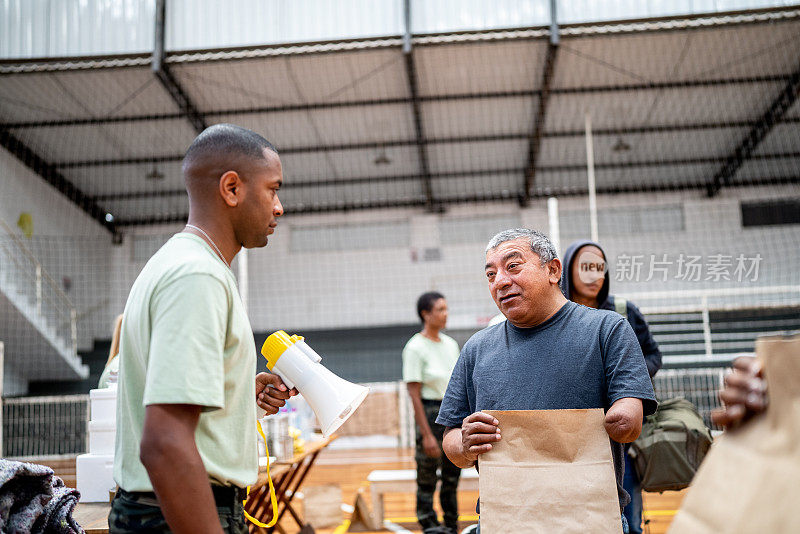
333	399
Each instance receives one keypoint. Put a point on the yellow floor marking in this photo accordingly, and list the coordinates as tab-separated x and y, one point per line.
341	529
660	512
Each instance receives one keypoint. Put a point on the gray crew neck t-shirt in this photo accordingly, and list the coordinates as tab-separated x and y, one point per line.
579	358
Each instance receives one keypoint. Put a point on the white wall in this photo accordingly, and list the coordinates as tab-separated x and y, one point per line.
13	384
356	287
22	190
380	286
123	268
67	242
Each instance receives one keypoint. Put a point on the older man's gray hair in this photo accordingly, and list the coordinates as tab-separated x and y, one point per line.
539	242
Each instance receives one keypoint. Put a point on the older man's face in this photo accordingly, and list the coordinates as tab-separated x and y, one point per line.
520	285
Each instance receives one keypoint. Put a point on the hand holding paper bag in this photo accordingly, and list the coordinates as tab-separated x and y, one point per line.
551	472
478	432
744	394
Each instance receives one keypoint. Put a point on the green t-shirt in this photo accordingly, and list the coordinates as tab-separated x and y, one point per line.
431	363
186	339
112	367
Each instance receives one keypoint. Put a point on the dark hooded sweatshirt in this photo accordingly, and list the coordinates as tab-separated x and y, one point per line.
652	356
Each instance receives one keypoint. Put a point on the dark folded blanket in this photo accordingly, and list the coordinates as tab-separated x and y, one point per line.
34	500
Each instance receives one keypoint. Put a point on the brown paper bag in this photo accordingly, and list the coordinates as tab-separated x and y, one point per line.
551	472
750	480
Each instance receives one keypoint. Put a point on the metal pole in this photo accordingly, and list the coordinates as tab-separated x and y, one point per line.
401	417
73	330
407	28
706	326
2	378
38	289
542	105
243	276
405	418
555	229
159	34
590	172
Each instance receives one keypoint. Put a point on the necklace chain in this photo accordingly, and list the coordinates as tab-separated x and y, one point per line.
216	248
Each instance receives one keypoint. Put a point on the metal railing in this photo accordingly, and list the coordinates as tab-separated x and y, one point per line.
49	302
700	297
45	426
707	301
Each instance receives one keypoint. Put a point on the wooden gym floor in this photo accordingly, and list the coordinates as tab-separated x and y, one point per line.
349	470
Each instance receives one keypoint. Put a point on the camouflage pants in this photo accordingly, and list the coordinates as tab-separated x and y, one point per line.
131	513
426	476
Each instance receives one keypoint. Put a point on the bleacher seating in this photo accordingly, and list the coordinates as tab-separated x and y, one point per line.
732	331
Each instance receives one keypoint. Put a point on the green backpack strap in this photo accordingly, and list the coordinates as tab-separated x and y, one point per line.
621	306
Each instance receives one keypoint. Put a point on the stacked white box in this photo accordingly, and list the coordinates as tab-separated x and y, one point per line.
95	471
104	404
95	476
101	437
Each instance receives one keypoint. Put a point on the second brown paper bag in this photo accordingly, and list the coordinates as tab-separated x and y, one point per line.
552	471
750	480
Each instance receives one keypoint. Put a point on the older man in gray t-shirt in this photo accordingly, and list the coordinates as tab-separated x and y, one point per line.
549	354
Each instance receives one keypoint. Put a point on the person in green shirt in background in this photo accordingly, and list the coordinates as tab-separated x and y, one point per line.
428	361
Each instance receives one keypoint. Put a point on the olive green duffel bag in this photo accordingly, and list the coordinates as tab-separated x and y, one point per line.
673	442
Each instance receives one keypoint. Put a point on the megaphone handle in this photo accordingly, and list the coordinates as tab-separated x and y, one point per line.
289	383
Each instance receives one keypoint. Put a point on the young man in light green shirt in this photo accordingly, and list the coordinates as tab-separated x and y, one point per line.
186	408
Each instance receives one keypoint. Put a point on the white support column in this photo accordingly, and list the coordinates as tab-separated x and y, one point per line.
38	289
706	326
405	417
590	172
2	377
555	229
73	330
241	260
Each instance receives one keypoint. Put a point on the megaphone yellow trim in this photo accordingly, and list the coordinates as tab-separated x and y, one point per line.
275	345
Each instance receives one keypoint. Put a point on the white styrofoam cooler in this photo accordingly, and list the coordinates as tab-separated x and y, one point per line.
101	437
95	476
94	472
103	404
